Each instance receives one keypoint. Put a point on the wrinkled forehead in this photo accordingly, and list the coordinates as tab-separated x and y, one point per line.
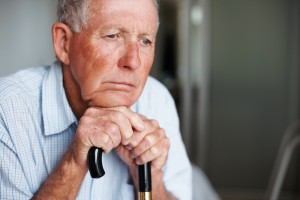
98	7
103	2
134	10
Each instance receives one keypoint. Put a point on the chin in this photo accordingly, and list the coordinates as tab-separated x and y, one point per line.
113	101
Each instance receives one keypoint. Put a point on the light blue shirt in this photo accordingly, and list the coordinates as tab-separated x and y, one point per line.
37	126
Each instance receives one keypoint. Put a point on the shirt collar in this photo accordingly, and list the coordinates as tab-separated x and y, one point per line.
57	113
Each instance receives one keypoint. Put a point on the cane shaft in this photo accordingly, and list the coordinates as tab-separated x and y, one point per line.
145	183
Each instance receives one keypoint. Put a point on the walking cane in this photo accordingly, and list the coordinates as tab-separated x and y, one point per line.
144	176
144	172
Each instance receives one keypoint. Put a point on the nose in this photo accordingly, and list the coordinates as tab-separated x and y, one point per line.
131	57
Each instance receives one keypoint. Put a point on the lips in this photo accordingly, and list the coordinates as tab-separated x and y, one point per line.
118	85
121	83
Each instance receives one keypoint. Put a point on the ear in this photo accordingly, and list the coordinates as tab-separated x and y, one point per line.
61	35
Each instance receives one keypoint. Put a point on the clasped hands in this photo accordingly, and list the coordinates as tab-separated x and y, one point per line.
136	138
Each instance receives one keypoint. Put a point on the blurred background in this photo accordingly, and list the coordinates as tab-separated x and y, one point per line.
233	68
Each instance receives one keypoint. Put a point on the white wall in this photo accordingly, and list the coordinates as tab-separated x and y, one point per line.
25	34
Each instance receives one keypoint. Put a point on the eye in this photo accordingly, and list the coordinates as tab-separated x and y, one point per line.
146	42
112	36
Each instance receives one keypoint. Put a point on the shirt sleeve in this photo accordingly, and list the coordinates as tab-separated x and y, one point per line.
13	184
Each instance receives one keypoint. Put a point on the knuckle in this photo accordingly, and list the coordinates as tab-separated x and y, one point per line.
122	108
110	127
161	133
84	121
127	134
143	117
162	161
154	151
106	142
116	141
154	123
142	159
90	111
87	112
148	141
104	139
84	129
133	144
114	129
167	143
118	116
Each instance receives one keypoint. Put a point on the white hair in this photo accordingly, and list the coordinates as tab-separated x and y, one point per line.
75	13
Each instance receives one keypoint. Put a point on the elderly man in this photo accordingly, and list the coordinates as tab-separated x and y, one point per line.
99	94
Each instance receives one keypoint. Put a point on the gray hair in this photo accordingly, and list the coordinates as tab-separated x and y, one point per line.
75	13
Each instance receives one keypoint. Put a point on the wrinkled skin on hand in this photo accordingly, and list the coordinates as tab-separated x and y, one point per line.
137	139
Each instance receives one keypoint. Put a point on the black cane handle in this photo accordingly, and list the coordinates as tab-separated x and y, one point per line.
95	162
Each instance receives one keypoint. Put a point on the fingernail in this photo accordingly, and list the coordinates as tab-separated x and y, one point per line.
138	162
129	148
133	155
126	142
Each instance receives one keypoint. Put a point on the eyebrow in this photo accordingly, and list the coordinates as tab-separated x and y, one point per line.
124	30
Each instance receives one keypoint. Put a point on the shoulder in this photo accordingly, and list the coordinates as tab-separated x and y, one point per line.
154	84
23	82
19	99
156	97
20	95
156	102
155	90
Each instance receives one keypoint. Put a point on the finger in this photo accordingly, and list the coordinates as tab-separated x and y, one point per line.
115	116
137	137
112	130
89	126
134	118
123	122
157	151
158	163
147	142
124	154
101	140
143	117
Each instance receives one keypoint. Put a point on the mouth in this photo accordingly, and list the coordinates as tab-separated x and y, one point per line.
118	85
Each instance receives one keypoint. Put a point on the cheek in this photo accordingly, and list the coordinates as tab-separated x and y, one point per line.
96	65
147	63
144	70
90	58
